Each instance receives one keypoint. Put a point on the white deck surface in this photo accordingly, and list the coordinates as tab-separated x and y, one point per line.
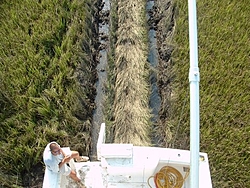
119	169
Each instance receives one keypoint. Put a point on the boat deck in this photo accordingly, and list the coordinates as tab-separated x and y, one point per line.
125	165
128	166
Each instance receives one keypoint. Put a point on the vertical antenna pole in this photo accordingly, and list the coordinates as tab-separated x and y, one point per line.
194	78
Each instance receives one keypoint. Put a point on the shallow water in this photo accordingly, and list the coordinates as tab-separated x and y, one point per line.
98	116
155	100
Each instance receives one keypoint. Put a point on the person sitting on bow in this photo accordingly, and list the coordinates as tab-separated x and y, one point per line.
56	158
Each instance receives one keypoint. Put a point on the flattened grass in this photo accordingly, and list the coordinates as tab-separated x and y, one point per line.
131	113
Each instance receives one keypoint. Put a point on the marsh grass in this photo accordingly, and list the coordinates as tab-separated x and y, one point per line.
224	45
43	43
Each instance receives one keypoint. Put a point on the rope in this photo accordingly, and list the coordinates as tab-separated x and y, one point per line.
169	177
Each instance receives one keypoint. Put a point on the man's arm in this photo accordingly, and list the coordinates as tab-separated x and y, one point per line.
66	159
62	152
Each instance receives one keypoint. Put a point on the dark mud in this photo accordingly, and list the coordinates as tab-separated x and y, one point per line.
101	68
162	21
34	179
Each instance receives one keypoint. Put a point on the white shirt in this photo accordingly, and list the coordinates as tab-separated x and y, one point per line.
51	161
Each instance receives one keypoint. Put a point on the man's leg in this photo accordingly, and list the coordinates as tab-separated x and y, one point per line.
67	171
77	180
74	176
75	155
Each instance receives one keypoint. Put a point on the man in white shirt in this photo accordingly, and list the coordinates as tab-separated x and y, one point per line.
56	158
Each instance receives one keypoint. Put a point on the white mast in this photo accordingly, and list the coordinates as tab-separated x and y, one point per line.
194	78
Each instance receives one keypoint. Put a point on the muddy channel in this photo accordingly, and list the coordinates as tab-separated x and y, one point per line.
160	18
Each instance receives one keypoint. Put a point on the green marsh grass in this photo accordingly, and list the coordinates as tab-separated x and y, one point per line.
224	46
45	52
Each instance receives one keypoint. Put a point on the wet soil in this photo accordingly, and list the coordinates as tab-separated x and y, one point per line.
162	21
101	68
34	178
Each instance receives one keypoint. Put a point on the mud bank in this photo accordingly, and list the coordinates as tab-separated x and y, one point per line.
162	21
160	17
101	68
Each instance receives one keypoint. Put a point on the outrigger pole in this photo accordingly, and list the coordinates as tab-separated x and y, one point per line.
194	78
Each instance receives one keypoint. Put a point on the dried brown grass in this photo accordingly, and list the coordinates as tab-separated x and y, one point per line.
131	112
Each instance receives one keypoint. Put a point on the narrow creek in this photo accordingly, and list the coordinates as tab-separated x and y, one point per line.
153	58
155	100
98	116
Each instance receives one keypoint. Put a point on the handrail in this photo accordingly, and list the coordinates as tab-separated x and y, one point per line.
101	140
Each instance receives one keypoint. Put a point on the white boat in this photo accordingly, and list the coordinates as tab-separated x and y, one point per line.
129	166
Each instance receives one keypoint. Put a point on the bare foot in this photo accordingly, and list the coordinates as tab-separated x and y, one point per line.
80	184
